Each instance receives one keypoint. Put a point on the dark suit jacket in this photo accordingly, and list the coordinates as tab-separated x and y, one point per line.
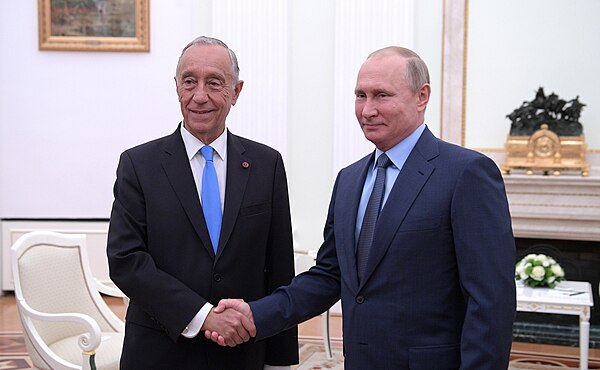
161	257
439	290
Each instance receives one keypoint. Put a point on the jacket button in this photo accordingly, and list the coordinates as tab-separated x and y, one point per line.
217	277
360	299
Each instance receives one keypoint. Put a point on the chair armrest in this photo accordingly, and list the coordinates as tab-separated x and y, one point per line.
88	341
310	252
304	260
111	290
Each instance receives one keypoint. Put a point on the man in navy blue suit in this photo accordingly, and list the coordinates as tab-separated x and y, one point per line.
426	275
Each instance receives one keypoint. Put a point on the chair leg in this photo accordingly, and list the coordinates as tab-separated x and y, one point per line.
326	337
89	361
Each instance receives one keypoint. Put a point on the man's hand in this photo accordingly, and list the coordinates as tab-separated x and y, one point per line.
229	326
242	311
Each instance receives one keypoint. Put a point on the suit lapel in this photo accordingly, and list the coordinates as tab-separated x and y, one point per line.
350	191
237	178
177	167
411	179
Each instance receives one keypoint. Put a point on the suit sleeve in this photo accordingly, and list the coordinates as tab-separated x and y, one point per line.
169	303
282	349
310	293
485	252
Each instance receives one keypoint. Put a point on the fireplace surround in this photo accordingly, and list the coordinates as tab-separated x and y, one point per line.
558	216
580	260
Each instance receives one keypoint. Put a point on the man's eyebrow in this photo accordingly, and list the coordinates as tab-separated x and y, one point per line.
216	75
380	91
186	74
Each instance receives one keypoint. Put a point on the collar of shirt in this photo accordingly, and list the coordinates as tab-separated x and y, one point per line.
398	155
197	161
193	144
400	152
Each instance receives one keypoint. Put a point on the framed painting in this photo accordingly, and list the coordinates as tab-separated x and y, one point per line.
94	25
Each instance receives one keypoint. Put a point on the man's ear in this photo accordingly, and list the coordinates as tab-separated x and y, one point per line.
177	88
423	97
236	91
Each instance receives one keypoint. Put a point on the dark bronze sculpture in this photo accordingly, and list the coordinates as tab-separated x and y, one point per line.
546	136
562	117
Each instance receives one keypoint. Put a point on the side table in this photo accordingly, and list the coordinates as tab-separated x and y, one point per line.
567	298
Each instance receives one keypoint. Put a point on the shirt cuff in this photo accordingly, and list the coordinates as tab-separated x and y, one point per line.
195	325
269	367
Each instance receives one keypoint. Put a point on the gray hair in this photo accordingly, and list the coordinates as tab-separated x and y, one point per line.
416	73
205	40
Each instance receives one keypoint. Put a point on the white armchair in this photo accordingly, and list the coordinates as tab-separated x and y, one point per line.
66	323
304	260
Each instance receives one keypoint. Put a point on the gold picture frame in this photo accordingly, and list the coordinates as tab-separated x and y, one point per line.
94	25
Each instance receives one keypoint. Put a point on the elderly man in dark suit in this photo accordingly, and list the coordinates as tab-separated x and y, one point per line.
418	242
200	215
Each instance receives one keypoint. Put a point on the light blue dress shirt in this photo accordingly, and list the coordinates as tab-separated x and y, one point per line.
398	155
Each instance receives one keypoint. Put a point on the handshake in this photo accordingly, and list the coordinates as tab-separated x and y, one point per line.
229	323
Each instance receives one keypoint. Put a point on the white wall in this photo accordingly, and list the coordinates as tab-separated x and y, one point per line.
310	117
429	16
66	116
516	46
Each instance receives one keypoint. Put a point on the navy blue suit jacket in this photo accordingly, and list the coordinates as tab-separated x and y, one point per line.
439	290
160	254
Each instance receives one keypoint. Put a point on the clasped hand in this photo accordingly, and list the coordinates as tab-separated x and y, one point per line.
230	323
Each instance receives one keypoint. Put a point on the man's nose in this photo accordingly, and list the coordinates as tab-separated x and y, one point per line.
200	94
369	109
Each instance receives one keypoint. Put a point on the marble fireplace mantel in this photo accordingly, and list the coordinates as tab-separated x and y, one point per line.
554	207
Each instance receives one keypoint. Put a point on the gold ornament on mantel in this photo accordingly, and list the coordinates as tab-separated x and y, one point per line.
546	136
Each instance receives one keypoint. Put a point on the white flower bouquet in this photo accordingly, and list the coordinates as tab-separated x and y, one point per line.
539	270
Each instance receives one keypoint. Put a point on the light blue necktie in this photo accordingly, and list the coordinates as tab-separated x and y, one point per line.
367	231
211	200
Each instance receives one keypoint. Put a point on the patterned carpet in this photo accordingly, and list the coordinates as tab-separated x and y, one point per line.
312	357
13	356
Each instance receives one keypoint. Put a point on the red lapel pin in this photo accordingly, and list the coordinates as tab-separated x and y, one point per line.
245	165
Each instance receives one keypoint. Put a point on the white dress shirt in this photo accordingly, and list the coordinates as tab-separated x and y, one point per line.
197	162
